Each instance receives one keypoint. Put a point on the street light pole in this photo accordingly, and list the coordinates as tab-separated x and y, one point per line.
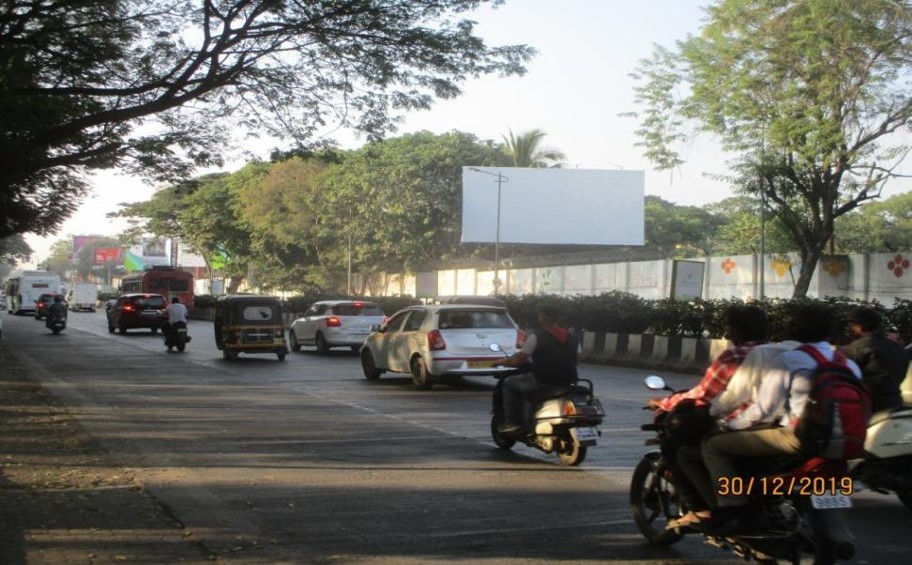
501	178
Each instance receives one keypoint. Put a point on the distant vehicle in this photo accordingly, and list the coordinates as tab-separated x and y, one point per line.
82	296
435	343
43	303
137	311
167	281
22	292
335	323
247	323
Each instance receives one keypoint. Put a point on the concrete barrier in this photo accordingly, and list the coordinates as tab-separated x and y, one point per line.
673	353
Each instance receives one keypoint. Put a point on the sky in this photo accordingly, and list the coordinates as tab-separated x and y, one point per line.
575	90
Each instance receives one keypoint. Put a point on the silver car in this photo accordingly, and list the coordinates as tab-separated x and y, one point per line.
335	323
435	342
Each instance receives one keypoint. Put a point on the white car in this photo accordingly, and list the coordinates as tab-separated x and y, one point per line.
435	342
335	323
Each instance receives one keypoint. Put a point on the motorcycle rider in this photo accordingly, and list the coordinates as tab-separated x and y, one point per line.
883	362
766	427
57	309
177	318
554	355
746	327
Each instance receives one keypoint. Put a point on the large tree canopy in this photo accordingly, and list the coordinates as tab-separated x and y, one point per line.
80	77
806	94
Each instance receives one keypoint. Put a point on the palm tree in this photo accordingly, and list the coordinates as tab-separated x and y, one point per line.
524	150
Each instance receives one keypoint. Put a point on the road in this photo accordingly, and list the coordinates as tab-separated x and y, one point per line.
305	461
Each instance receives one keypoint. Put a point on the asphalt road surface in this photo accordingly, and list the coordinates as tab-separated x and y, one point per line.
305	461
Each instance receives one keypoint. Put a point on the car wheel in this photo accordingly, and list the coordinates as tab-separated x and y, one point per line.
355	348
295	344
122	330
110	328
280	355
322	346
420	375
154	330
229	355
371	372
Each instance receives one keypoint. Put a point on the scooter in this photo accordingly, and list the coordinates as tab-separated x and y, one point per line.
800	504
887	464
563	420
56	322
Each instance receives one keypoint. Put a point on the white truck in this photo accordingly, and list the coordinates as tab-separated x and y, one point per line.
82	296
22	291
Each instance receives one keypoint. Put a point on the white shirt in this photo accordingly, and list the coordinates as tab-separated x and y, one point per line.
745	383
177	312
787	380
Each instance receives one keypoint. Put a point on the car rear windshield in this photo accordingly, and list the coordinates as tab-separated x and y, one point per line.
363	309
259	313
149	302
457	319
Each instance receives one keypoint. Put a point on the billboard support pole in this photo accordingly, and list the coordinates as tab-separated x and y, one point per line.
501	178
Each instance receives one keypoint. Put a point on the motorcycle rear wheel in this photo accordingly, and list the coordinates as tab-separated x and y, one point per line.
653	502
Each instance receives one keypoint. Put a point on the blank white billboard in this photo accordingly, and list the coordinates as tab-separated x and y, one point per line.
553	206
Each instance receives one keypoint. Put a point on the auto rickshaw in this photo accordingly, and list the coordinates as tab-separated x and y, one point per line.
247	323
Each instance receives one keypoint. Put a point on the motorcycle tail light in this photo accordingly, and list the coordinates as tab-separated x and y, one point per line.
435	341
569	409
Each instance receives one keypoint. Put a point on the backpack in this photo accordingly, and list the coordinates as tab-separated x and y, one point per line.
835	419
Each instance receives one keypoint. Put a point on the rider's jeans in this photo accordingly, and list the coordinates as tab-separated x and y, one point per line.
516	388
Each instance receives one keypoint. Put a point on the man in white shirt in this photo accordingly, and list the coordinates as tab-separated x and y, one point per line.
779	403
177	318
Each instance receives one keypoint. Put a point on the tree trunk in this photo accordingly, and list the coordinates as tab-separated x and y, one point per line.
809	260
234	283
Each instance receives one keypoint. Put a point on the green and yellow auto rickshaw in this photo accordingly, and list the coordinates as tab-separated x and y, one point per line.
247	323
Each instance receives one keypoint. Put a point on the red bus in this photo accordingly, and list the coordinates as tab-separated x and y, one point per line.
166	281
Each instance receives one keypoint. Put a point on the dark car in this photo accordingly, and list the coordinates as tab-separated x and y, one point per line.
137	311
42	304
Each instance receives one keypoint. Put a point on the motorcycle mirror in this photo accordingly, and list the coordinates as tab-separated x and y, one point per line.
655	382
495	347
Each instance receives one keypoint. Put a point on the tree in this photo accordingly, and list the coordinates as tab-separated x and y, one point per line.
809	95
525	150
79	77
879	227
740	230
678	231
14	249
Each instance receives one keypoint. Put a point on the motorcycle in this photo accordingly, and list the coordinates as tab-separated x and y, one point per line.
562	420
56	322
175	335
800	504
887	464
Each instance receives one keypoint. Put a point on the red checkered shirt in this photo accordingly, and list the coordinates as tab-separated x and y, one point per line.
715	379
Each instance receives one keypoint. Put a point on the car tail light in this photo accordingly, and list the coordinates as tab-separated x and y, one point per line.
128	308
333	322
436	341
520	338
358	305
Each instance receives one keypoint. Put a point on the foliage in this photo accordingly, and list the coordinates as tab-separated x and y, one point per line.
525	150
740	229
679	231
806	94
883	226
13	249
79	78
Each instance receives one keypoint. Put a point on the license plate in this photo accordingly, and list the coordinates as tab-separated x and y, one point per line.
149	313
480	364
586	435
830	501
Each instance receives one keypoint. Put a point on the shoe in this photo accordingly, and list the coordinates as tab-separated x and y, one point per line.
509	428
689	520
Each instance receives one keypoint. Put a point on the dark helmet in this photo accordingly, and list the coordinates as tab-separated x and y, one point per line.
58	298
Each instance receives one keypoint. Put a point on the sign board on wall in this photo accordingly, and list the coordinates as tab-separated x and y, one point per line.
687	279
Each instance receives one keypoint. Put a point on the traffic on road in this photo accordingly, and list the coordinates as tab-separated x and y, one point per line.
307	461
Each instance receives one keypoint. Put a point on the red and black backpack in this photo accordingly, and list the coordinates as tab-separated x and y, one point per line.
834	422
